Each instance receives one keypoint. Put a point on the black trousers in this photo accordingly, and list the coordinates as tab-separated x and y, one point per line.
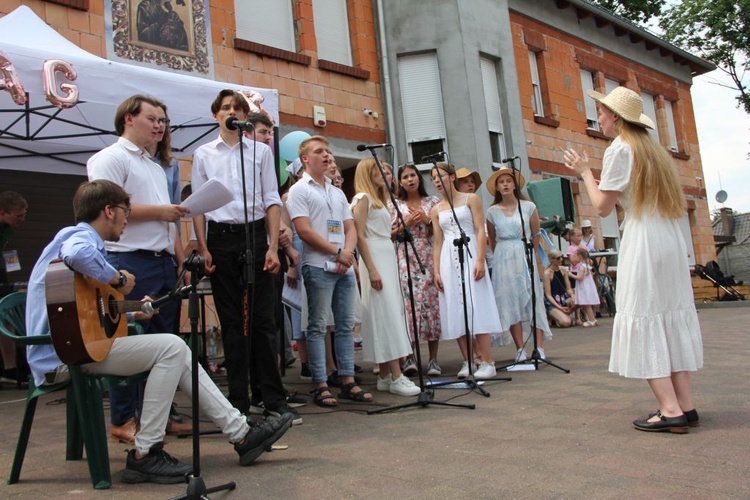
249	350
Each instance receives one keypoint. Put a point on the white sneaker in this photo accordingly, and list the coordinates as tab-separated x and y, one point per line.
384	384
521	355
402	386
464	371
485	371
541	353
433	368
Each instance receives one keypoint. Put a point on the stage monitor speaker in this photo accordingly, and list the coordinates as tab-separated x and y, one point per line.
553	199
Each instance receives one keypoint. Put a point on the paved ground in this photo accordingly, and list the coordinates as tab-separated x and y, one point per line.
545	434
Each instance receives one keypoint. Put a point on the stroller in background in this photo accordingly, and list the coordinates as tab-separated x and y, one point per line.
712	272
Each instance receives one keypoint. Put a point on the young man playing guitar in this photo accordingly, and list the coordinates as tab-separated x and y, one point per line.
101	209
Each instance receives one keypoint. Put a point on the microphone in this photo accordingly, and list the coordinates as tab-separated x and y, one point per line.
150	307
433	157
233	123
511	159
363	147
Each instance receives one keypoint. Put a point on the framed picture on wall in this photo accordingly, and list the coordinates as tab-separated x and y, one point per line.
163	33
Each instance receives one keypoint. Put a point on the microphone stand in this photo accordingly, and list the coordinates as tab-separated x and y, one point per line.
425	397
196	488
528	246
462	243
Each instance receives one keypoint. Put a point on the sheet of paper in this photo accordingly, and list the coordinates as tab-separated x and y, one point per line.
210	196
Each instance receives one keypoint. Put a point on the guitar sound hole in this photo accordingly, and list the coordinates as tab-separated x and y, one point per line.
111	317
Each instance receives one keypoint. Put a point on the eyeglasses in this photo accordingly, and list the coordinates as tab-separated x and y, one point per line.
22	215
127	210
160	121
557	258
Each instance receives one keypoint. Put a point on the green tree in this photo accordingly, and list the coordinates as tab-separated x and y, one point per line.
717	30
637	11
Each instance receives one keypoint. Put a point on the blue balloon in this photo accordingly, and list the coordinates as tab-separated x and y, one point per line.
289	145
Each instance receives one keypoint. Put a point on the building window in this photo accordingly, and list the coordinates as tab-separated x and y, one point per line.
649	109
332	31
611	85
493	108
587	83
422	103
274	27
536	99
669	112
684	223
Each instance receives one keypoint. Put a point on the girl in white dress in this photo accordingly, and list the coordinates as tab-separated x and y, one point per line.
384	335
483	319
656	335
587	295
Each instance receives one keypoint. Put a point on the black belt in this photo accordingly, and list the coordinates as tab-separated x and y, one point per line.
224	227
151	253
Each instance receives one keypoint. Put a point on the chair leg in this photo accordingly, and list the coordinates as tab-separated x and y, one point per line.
91	411
23	436
74	444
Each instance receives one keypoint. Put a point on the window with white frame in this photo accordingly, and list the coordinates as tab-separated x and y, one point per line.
669	111
493	107
275	27
610	84
422	103
332	31
587	83
536	100
649	109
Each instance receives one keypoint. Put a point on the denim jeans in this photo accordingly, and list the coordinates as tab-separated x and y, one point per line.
338	293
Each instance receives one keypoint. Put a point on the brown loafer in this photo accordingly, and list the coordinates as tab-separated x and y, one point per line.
175	428
124	433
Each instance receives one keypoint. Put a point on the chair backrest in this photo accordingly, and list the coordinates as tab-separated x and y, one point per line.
13	315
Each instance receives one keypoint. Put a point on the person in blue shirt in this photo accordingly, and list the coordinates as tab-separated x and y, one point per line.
101	210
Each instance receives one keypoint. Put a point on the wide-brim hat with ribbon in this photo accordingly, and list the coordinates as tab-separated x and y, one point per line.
520	181
465	172
626	104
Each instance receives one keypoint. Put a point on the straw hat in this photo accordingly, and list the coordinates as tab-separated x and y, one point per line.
626	104
585	223
464	172
520	181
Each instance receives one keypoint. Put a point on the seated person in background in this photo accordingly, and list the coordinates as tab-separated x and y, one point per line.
558	294
101	209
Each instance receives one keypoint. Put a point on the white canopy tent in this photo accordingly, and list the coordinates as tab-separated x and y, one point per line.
40	137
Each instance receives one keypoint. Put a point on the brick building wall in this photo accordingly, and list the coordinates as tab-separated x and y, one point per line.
560	57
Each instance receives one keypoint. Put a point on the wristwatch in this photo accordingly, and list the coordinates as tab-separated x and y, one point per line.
122	281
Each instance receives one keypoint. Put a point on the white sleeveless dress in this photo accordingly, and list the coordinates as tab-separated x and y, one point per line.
481	308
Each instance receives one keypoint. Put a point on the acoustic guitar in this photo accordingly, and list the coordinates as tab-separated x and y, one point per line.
85	316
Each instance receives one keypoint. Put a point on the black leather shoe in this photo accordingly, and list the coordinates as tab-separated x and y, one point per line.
675	425
692	417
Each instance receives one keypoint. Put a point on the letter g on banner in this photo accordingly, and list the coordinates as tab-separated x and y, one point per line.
51	68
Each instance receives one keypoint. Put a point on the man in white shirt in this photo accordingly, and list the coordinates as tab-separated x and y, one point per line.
148	246
245	304
323	220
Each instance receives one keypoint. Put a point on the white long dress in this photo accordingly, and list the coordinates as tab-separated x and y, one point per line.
481	308
384	334
510	273
656	330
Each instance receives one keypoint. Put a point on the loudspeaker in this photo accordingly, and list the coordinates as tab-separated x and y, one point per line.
553	199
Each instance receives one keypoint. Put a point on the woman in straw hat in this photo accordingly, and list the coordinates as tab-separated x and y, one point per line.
656	335
482	317
511	280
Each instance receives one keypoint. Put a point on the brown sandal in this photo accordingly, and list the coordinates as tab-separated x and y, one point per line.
361	396
323	394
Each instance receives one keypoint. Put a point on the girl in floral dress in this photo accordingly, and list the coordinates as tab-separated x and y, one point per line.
415	205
